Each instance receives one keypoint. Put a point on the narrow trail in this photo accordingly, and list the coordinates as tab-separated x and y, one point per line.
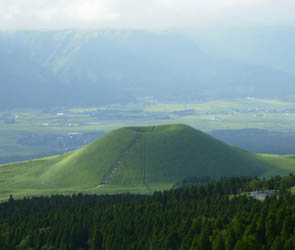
144	160
114	168
145	165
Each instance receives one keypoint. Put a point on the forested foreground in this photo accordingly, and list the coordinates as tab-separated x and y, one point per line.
218	216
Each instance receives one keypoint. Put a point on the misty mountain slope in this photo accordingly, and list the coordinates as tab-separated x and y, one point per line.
98	67
25	83
268	46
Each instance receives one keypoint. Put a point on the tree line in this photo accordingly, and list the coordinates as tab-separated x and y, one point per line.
219	215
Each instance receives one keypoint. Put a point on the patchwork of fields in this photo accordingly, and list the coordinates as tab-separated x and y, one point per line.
32	134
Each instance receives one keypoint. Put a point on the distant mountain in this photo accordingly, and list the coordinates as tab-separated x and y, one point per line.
84	68
269	46
258	140
23	83
144	158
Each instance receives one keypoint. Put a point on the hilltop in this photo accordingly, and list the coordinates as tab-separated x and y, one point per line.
137	159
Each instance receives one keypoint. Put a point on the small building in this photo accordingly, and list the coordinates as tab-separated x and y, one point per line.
261	194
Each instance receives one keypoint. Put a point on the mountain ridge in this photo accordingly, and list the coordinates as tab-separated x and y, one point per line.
86	68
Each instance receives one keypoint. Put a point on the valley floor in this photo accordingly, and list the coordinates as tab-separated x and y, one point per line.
29	134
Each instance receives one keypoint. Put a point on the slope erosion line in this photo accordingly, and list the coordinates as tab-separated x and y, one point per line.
114	168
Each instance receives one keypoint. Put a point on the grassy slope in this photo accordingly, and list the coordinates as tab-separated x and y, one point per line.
70	172
278	164
148	158
166	154
86	167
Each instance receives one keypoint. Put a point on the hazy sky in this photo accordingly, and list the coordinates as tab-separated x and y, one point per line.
53	14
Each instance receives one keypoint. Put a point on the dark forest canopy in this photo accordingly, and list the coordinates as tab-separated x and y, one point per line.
218	216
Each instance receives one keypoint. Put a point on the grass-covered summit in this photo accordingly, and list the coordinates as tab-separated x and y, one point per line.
144	158
150	155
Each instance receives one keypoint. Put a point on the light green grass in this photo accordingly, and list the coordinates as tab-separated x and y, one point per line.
134	159
278	164
41	174
222	105
109	189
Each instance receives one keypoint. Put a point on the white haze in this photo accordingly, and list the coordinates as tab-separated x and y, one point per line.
143	14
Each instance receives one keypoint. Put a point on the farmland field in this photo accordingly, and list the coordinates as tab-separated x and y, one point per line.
27	134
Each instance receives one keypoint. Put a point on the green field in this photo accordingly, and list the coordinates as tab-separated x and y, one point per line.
279	164
17	126
138	160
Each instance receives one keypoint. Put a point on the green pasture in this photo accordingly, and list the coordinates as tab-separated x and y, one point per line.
137	160
275	115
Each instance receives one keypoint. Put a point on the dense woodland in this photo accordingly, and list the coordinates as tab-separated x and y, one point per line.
218	215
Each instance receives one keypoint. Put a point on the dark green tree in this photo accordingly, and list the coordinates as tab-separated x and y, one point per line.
172	241
218	243
95	243
230	239
277	244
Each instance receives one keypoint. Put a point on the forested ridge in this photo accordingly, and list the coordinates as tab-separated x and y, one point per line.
219	216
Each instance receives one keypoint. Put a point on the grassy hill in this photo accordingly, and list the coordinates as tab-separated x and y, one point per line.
137	159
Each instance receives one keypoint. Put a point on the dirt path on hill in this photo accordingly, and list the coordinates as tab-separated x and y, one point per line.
114	168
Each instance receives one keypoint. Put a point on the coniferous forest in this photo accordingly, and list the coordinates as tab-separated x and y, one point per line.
218	215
